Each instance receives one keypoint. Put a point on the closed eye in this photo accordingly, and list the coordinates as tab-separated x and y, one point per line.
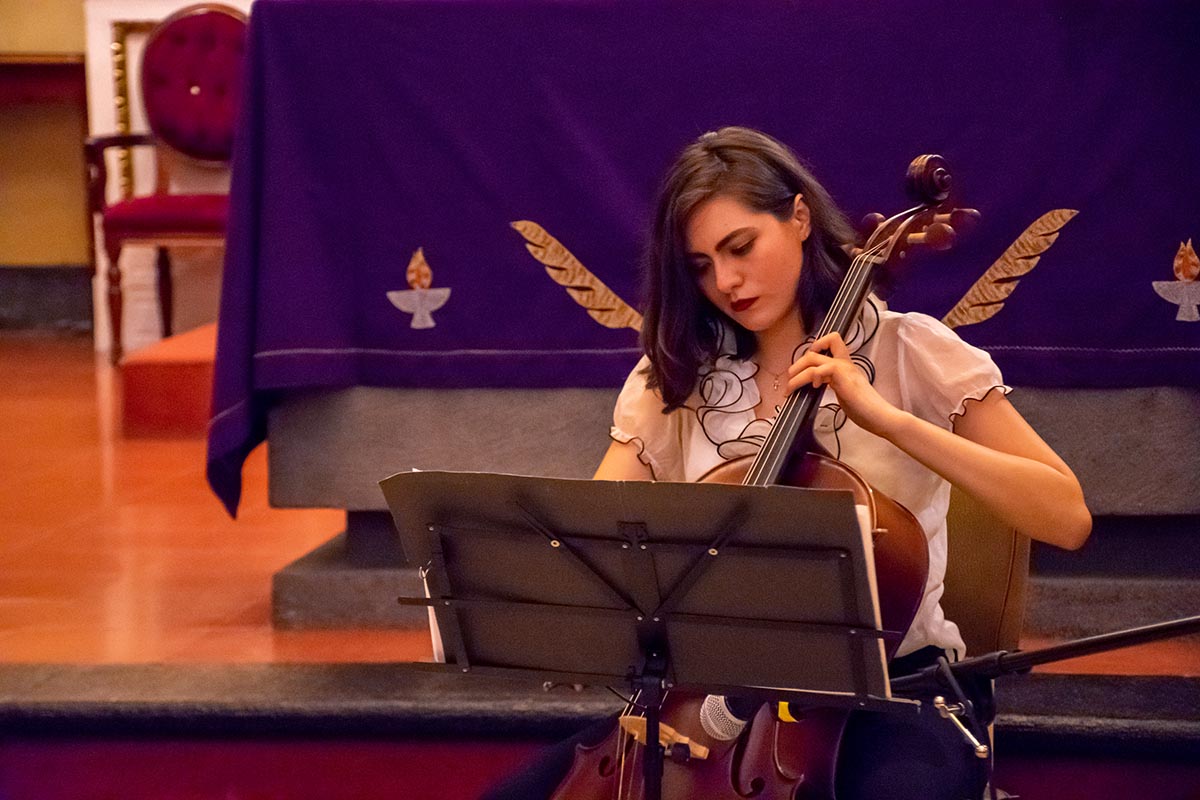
743	249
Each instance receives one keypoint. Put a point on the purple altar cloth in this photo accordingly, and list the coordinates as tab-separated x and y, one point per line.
373	128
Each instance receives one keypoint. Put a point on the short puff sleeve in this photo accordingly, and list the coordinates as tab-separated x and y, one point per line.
943	370
638	418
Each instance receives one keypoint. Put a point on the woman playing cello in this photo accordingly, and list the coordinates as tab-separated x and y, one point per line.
746	253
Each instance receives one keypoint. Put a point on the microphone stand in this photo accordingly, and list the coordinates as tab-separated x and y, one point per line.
944	676
1005	662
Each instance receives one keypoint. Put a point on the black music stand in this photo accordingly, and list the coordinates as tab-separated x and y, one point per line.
764	591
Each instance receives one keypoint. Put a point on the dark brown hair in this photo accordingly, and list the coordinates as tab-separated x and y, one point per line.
681	329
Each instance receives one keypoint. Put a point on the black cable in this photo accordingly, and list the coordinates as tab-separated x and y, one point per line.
629	701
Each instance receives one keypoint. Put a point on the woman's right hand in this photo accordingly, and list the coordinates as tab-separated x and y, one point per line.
827	363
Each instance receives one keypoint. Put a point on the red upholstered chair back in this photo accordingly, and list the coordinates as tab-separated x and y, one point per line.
191	75
191	81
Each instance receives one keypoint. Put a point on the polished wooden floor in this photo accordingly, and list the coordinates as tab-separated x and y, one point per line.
113	550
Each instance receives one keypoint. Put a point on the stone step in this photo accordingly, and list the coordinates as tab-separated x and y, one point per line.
1072	607
1039	714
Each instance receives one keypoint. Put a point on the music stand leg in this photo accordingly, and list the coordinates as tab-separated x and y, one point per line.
652	766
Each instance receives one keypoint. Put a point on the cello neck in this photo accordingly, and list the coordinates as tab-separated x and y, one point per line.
930	224
793	426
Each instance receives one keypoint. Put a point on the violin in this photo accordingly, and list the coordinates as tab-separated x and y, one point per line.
797	759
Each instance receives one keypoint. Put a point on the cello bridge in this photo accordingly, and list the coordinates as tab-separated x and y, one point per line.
668	737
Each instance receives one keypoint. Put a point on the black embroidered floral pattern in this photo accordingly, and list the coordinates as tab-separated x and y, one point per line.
727	392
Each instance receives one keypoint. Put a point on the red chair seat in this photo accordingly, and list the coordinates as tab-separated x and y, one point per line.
166	214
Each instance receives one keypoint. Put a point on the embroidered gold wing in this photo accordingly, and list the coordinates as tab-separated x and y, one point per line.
601	303
987	295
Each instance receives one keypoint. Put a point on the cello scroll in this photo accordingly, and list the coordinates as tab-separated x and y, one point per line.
935	223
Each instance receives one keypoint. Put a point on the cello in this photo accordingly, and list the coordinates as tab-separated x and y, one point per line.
797	759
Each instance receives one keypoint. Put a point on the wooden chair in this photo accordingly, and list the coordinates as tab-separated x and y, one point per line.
987	577
190	82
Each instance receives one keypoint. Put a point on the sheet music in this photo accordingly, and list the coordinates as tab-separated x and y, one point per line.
864	525
435	633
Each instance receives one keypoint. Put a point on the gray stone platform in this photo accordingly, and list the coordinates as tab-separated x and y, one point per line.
1136	451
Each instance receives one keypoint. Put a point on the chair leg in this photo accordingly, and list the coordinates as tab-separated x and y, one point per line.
165	291
113	249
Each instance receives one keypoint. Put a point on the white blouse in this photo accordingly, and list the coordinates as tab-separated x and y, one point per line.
913	361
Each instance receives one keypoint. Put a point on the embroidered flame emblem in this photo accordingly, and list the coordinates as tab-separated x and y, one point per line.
418	274
1187	265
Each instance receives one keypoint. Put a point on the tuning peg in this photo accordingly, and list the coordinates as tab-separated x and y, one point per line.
938	236
960	219
870	222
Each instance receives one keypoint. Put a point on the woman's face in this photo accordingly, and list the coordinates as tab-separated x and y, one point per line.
748	262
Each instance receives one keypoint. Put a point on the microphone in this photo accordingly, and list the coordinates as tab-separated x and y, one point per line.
724	718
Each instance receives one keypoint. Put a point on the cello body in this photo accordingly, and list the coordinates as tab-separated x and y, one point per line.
771	760
901	551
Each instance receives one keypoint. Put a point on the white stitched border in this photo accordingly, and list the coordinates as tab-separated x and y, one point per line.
217	417
377	352
1047	348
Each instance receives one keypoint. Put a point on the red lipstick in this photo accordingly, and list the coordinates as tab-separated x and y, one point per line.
742	305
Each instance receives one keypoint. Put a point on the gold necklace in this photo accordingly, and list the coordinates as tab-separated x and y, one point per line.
775	376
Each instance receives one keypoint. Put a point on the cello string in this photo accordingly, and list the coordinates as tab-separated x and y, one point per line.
779	443
629	702
630	746
622	748
624	742
769	455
